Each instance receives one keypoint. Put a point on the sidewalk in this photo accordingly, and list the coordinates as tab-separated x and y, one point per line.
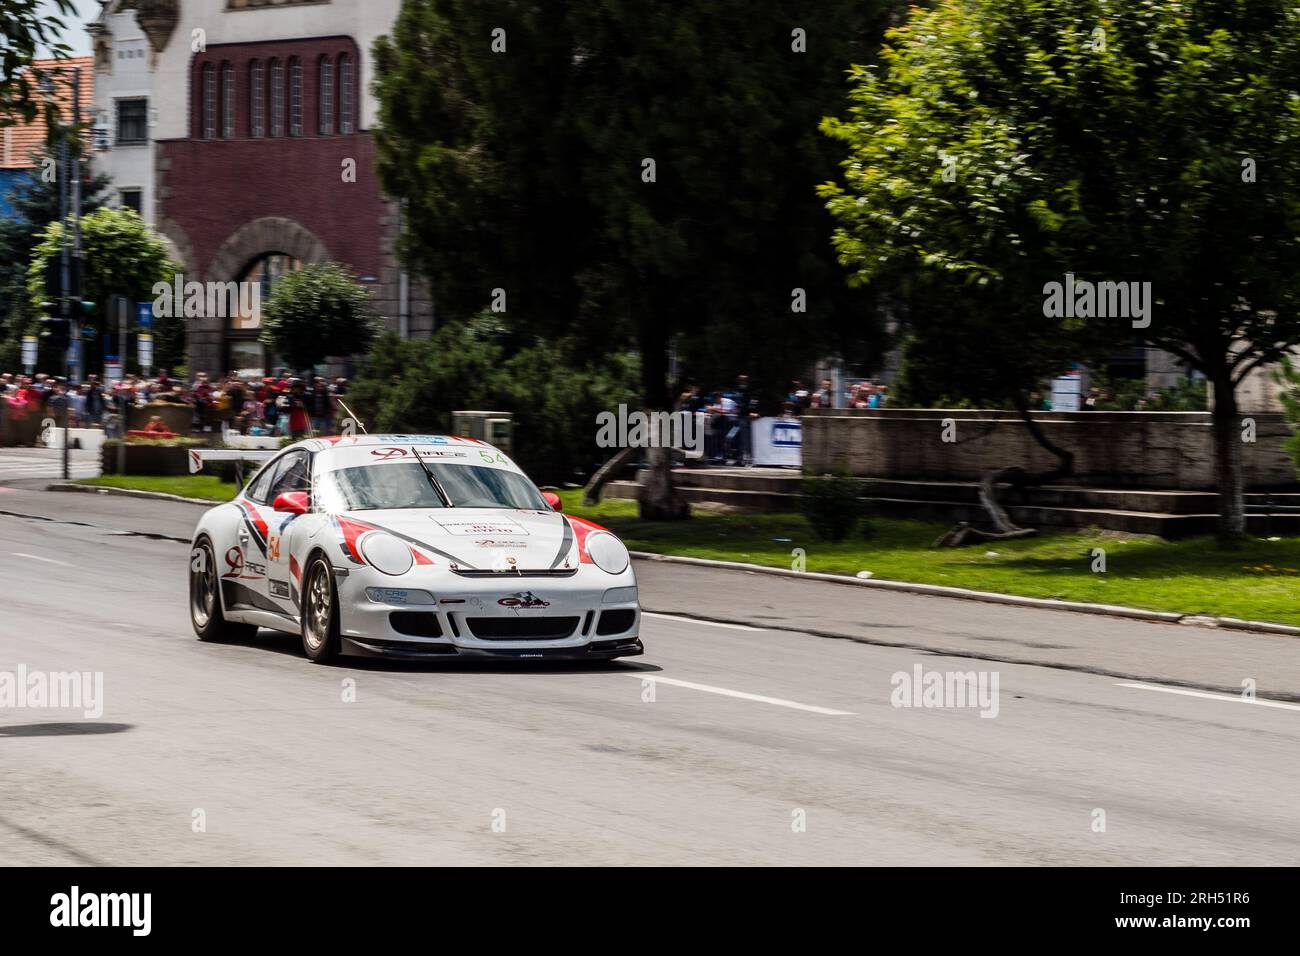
24	464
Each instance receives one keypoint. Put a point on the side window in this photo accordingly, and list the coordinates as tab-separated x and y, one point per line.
292	474
261	484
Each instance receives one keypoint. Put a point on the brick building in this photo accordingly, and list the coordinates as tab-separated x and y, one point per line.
264	158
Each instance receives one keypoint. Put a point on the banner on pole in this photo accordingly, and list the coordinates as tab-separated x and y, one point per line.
144	346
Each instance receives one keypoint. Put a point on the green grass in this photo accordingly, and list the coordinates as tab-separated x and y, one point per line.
1259	581
208	487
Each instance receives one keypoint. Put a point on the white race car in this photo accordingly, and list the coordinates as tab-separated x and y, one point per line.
410	546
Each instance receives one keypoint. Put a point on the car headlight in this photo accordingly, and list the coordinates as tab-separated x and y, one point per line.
609	553
386	553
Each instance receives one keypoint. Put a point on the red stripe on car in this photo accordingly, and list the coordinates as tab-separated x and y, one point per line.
581	528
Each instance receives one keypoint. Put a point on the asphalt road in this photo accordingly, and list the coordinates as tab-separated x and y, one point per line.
766	736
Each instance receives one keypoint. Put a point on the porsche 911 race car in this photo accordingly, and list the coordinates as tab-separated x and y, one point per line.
410	546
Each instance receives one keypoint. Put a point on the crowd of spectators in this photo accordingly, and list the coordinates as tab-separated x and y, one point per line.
728	411
275	406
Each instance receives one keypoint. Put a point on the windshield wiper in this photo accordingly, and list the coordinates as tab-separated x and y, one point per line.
437	486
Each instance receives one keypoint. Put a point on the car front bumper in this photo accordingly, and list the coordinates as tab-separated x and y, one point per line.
429	614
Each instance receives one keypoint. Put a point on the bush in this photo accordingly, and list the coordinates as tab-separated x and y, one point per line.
554	394
830	503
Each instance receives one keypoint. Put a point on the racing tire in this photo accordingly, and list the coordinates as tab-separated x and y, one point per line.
320	612
206	614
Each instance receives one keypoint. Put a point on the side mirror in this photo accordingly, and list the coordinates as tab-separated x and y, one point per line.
293	502
553	500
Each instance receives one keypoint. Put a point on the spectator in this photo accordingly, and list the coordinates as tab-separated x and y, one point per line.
270	408
824	396
320	405
296	404
203	397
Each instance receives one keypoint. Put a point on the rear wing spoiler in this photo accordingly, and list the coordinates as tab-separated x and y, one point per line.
197	456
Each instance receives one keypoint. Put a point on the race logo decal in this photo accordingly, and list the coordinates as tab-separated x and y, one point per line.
523	599
504	527
236	566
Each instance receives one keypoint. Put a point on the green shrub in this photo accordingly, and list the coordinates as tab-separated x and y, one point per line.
831	505
553	392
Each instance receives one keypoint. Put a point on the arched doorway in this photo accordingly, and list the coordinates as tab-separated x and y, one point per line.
245	355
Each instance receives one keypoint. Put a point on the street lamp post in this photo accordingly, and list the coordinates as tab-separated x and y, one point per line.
70	194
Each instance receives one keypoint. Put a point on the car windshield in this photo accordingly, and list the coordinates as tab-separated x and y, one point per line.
405	485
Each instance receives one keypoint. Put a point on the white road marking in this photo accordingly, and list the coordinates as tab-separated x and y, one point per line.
725	692
696	620
37	557
1232	698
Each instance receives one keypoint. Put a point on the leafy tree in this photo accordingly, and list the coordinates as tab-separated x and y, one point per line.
121	255
25	30
629	175
317	312
1003	143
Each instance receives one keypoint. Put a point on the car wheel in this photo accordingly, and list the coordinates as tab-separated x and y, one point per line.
206	615
320	613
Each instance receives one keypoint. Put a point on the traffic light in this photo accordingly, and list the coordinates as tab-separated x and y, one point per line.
56	332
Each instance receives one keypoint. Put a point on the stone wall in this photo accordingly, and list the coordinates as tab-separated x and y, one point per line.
1158	450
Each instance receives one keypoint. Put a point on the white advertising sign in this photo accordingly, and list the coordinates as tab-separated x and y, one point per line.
777	442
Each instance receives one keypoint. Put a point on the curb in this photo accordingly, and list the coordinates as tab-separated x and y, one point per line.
989	597
130	493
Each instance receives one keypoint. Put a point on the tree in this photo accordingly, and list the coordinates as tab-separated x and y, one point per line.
1004	143
121	255
554	390
317	312
26	29
35	204
628	175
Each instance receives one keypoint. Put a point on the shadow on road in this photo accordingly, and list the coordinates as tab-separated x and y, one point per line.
278	642
65	729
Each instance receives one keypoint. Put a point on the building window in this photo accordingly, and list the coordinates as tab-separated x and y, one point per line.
209	101
295	97
346	94
325	103
132	199
132	122
227	101
256	100
277	98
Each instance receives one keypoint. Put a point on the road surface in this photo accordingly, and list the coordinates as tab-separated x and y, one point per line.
763	736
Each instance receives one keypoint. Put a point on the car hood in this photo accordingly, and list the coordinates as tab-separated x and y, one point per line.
481	539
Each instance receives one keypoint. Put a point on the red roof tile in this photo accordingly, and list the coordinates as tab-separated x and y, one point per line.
19	141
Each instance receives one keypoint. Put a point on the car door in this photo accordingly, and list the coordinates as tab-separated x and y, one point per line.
244	560
282	530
